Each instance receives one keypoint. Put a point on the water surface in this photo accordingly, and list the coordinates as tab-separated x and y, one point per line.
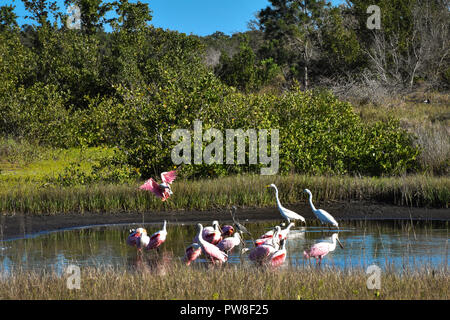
393	245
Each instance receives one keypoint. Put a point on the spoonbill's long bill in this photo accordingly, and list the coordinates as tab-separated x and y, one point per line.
210	250
322	215
321	249
162	190
286	213
192	252
158	238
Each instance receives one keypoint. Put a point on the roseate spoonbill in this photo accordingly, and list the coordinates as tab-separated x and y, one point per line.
239	227
260	254
227	230
279	256
322	215
271	238
210	250
192	252
138	238
287	214
158	238
284	233
321	249
163	189
212	234
229	243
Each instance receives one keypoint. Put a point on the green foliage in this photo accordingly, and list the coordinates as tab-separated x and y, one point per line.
243	71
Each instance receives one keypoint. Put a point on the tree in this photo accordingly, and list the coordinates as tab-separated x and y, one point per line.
92	14
40	10
8	19
292	28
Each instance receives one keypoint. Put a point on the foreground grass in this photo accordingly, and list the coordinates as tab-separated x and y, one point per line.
180	282
244	191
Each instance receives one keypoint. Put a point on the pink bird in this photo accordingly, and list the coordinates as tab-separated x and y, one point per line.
158	238
227	230
321	249
229	243
212	234
192	252
270	238
162	190
279	256
138	238
210	250
261	254
284	233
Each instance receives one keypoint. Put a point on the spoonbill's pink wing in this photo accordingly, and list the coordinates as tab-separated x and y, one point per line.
226	244
151	185
168	177
261	253
319	250
278	258
214	252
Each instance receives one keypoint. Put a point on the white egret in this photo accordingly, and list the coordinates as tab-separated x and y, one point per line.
322	215
287	214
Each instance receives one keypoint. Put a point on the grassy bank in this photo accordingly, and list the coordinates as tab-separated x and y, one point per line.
176	281
244	191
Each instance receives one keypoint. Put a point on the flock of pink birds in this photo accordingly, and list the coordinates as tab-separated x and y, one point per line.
216	242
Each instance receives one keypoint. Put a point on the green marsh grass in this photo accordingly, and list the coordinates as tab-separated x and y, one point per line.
243	191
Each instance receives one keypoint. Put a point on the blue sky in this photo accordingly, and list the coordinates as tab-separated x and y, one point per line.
201	17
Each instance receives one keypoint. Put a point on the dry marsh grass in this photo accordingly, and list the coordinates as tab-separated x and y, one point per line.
222	283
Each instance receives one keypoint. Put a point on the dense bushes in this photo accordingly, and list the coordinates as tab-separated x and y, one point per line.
133	87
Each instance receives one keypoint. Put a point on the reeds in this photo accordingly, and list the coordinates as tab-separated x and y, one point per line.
244	191
176	281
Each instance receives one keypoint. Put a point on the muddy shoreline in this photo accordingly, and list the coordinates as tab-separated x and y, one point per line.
21	225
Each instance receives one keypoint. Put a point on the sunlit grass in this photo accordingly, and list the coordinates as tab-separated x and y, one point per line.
243	191
175	281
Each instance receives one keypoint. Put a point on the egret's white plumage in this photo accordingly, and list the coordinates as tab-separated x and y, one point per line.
322	215
286	213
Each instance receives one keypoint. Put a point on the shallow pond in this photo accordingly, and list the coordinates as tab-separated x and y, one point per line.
388	244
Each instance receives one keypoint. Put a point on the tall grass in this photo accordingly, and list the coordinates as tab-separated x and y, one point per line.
244	191
176	281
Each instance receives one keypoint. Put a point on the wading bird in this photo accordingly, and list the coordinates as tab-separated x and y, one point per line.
279	256
322	215
212	234
321	249
192	252
227	231
163	189
229	243
158	238
260	254
287	214
138	238
239	226
210	250
271	237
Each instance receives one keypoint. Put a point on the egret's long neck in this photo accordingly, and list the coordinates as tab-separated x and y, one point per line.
276	196
311	203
